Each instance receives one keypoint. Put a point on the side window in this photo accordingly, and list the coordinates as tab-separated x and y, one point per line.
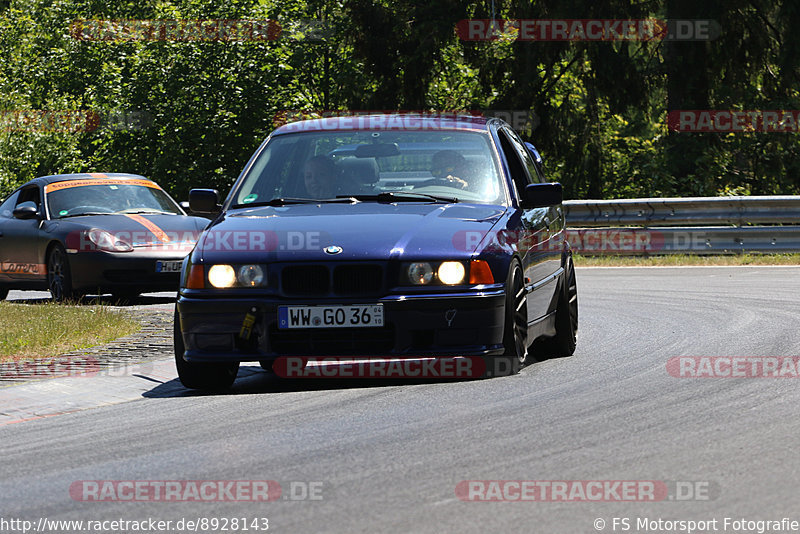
527	158
7	207
519	172
29	196
269	176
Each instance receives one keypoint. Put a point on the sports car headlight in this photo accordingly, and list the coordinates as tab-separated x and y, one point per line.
224	276
420	273
451	272
105	241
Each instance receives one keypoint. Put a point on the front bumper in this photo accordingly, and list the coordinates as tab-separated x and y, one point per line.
415	326
131	271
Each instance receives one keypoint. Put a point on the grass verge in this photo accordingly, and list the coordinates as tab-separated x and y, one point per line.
30	331
686	259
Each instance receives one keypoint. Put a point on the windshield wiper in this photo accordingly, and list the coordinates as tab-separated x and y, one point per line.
82	214
405	196
286	201
135	211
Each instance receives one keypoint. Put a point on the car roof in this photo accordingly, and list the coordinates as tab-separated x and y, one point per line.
44	180
389	121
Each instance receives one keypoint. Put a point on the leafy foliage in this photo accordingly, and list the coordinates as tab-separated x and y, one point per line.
189	114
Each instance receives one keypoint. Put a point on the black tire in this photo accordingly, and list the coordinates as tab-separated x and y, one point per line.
3	293
204	376
563	343
267	365
59	276
515	335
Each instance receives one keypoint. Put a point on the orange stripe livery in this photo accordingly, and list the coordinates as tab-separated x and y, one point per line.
150	225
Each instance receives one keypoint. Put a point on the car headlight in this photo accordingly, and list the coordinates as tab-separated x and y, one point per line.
446	273
251	275
443	273
224	276
420	273
106	241
451	272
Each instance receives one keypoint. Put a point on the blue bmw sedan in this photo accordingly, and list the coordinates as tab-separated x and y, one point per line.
391	236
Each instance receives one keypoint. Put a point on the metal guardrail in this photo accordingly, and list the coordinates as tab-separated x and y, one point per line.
684	211
703	225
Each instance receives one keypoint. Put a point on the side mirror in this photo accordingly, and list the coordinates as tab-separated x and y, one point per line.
542	195
204	201
25	212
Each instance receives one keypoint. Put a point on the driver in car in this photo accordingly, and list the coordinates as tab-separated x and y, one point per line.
319	174
450	167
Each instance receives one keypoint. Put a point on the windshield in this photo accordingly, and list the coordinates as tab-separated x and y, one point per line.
452	165
70	198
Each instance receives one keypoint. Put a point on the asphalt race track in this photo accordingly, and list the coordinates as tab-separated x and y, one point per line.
385	456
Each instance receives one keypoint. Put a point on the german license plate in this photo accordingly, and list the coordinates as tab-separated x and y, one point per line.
350	316
168	266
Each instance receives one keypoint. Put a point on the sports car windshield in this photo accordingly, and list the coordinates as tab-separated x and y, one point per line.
69	199
379	165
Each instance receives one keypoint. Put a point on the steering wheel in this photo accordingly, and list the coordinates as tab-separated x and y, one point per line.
455	182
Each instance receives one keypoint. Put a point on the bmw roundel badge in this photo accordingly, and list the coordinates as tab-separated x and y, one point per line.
333	249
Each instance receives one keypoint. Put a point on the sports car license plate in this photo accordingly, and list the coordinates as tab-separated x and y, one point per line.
352	316
168	266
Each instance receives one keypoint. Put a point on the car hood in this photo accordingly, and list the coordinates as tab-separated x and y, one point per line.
363	231
142	230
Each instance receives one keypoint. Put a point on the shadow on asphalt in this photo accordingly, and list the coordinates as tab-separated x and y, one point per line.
251	380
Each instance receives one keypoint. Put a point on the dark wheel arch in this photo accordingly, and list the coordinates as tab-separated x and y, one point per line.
563	343
515	335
